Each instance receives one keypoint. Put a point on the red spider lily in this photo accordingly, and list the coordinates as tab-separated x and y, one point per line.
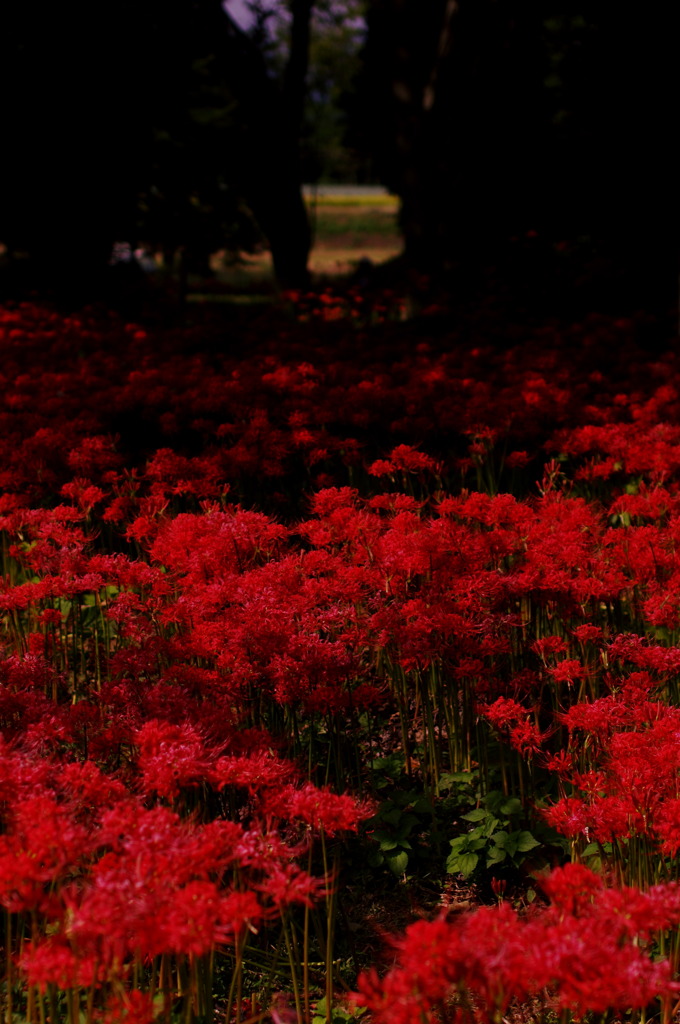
404	459
569	671
171	757
132	1007
42	849
162	646
583	949
54	961
320	809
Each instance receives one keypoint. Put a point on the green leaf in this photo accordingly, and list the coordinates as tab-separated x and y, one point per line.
525	842
478	844
495	855
392	765
463	864
447	780
397	862
493	800
384	838
391	817
467	843
404	799
407	822
511	806
477	815
505	841
320	1014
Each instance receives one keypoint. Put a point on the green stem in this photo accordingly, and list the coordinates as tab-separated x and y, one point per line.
8	963
293	970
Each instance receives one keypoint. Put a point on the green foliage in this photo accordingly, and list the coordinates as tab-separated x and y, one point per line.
333	220
386	770
400	819
597	855
334	60
338	1014
337	36
496	841
462	789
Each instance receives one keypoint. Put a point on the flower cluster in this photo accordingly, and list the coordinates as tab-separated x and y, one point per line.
238	586
586	950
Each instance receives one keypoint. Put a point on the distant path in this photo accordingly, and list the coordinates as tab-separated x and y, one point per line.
345	191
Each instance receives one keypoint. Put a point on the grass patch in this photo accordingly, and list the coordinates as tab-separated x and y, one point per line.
331	224
384	201
354	218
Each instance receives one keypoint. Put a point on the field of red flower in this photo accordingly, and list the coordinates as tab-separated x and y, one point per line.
318	610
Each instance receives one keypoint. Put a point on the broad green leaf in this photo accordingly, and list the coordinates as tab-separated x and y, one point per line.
467	863
397	862
448	779
382	836
511	806
494	798
495	855
525	842
406	823
477	815
392	817
478	844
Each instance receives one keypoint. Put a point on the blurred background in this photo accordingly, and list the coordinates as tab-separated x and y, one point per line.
484	145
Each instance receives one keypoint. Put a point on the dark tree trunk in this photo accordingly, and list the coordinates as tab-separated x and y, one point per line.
270	167
460	84
69	132
497	120
79	117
